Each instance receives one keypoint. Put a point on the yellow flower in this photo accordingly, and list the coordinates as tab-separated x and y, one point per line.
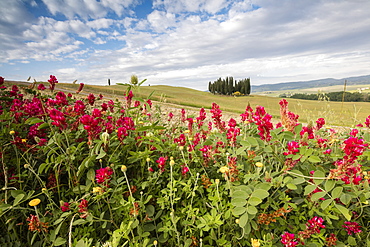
187	131
255	242
217	181
155	242
237	221
34	202
224	169
44	190
123	168
259	164
97	190
24	140
12	132
172	162
147	159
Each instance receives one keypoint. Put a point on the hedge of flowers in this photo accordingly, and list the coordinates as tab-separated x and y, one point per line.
93	171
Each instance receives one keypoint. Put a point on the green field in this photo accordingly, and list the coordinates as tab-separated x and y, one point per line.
315	90
335	113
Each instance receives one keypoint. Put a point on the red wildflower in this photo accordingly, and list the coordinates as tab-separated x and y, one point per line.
65	207
331	240
36	225
161	163
82	208
103	175
287	239
352	227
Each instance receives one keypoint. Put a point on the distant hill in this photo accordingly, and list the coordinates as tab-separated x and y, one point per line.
357	80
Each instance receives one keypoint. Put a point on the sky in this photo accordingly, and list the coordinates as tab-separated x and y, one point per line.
184	43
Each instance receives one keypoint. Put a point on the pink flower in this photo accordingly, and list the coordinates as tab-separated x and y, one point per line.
65	207
1	80
53	80
91	99
320	123
170	116
161	163
287	239
292	148
41	87
103	175
80	88
352	227
184	170
315	224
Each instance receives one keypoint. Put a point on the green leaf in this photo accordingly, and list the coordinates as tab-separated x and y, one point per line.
59	241
317	196
33	120
326	203
329	185
344	211
240	194
239	210
79	222
345	198
336	192
263	186
254	201
309	188
352	241
238	202
319	177
150	210
17	199
314	159
298	181
291	186
260	193
91	174
243	220
252	210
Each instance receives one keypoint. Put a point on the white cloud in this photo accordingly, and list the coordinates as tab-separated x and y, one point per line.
190	42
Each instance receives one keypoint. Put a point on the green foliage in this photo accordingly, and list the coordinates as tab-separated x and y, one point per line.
122	173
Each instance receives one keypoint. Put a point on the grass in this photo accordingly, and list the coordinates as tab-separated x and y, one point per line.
335	113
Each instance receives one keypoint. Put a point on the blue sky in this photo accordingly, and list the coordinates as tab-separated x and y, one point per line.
184	42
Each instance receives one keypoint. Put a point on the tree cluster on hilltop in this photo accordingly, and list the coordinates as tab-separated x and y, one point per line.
229	86
335	96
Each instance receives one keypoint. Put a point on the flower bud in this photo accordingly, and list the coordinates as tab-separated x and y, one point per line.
104	137
259	164
224	169
12	132
123	168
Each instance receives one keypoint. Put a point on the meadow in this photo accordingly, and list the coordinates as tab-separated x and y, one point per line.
92	167
336	113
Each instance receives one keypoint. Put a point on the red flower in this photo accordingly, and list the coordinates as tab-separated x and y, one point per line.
352	227
65	207
161	163
41	87
82	208
103	175
287	239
